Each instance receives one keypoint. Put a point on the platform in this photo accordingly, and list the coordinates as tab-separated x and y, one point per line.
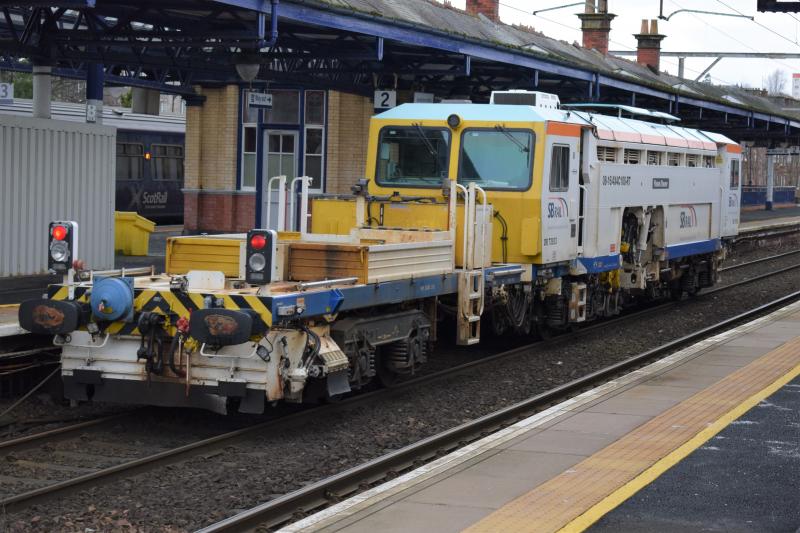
569	466
762	220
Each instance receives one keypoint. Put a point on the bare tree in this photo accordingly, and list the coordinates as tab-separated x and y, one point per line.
775	82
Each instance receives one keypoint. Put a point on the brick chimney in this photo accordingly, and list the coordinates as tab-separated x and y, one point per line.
648	51
488	8
595	25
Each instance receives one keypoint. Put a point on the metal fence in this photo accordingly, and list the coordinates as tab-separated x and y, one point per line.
54	170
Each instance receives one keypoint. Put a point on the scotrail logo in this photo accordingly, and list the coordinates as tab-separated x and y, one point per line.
557	208
688	217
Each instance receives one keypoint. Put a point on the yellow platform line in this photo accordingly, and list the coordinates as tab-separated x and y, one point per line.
578	497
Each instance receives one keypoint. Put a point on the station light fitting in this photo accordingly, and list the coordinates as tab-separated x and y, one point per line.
261	256
62	246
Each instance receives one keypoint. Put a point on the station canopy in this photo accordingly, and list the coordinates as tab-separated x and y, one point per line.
355	46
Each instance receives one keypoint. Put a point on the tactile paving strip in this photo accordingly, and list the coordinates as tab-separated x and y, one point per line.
567	499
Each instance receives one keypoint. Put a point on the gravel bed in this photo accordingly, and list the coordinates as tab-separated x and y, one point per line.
207	488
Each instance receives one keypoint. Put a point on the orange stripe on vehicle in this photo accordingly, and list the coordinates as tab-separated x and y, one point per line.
734	149
564	130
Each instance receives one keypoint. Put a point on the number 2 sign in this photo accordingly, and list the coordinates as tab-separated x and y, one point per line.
385	99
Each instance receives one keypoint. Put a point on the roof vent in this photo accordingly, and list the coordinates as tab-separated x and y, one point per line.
519	97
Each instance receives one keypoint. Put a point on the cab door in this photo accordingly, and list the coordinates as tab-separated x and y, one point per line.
731	188
560	198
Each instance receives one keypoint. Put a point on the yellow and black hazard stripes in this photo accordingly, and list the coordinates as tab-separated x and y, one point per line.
172	302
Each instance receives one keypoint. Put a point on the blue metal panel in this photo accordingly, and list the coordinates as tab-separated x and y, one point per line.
633	87
316	303
604	263
692	248
408	33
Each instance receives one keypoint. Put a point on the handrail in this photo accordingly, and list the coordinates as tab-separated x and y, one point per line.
280	226
466	227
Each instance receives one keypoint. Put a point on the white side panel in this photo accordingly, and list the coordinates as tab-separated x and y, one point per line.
688	223
55	170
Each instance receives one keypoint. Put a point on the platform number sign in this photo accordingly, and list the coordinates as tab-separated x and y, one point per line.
6	93
385	99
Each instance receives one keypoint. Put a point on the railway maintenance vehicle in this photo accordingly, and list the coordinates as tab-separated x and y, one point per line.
520	215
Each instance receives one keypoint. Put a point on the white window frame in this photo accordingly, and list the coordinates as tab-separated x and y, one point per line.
242	153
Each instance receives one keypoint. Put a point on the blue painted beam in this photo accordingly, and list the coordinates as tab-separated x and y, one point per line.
408	33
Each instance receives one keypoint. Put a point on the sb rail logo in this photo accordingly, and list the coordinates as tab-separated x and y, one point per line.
688	217
557	208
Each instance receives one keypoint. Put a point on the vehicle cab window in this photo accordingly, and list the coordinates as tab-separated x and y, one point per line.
413	156
498	158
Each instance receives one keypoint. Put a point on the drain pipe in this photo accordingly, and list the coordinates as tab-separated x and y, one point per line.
273	26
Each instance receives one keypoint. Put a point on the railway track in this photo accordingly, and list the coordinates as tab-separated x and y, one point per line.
126	469
319	495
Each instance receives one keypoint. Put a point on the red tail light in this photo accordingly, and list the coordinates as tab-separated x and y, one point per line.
59	233
258	242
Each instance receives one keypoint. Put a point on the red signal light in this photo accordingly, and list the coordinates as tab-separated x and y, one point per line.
258	242
59	233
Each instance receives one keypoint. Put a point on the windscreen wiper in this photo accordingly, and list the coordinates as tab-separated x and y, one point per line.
425	139
511	138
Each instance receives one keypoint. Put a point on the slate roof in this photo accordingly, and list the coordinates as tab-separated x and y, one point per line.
428	14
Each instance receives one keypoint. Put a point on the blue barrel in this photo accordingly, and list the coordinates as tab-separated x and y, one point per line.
112	299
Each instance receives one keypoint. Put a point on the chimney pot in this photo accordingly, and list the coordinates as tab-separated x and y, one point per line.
488	8
595	26
648	49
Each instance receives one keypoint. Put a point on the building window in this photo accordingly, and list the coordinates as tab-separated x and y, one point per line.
285	108
632	157
734	173
674	159
709	161
315	107
314	157
130	161
249	150
167	162
607	154
692	160
655	158
559	168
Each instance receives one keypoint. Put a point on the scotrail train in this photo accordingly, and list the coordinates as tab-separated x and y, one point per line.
523	218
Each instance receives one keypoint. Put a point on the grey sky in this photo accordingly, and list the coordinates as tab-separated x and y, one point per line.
685	32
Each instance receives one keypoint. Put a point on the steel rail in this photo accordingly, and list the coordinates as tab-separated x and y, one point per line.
321	493
35	439
15	503
757	261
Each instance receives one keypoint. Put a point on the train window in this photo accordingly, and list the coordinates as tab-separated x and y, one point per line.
692	160
559	168
499	158
734	173
130	161
655	158
607	154
632	157
413	156
709	161
674	159
167	162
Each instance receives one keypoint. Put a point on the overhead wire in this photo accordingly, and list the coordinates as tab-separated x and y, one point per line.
758	23
621	45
